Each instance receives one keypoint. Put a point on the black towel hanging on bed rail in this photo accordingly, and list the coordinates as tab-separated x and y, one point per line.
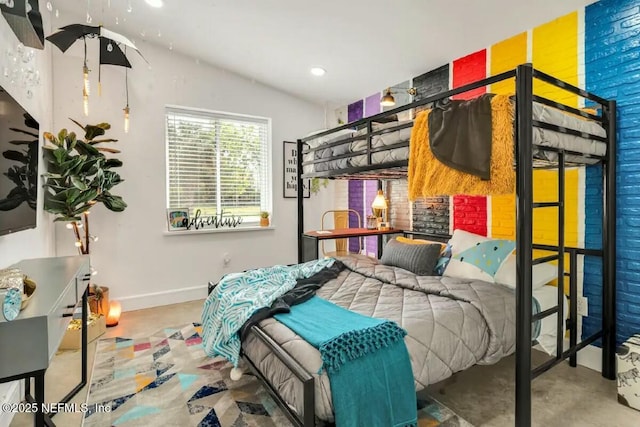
460	134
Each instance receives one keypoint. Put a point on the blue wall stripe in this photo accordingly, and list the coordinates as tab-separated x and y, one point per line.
612	68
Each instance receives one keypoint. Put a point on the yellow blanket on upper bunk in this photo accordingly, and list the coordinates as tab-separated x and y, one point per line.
428	177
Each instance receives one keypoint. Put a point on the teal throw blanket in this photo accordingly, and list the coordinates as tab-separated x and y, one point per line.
367	362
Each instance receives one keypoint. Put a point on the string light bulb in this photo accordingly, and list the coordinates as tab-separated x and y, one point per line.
94	238
85	74
69	226
126	88
78	243
126	119
85	102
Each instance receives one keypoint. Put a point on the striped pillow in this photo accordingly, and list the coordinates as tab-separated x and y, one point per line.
418	259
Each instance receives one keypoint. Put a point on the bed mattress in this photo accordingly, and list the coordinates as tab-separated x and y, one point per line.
452	324
543	137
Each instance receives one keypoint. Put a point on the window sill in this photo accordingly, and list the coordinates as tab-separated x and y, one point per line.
217	230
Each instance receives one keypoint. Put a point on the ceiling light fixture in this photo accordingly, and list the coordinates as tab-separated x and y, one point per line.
155	3
388	100
318	71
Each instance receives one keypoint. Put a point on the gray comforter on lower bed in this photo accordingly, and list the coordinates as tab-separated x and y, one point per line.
452	324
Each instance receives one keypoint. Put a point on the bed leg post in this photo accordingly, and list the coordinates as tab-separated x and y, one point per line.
524	237
609	247
309	403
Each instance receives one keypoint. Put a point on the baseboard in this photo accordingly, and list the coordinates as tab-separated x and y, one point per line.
591	357
156	299
9	395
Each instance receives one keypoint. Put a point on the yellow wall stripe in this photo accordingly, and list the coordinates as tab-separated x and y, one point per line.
505	56
555	51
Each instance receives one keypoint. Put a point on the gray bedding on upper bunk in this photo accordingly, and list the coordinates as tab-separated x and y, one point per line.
541	136
452	324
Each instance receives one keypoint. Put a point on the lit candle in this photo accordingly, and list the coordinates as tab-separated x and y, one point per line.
115	309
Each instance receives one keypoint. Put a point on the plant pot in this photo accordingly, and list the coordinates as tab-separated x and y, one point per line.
264	222
99	306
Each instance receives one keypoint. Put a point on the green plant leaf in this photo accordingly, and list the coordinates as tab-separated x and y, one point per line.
113	203
108	150
87	149
100	141
112	163
78	183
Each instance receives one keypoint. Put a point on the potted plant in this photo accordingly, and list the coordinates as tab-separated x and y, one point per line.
79	175
264	219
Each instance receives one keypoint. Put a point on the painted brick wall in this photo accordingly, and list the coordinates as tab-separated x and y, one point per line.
399	205
470	214
612	65
370	191
431	215
431	83
356	202
469	69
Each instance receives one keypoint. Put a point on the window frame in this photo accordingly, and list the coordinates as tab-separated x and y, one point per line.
253	224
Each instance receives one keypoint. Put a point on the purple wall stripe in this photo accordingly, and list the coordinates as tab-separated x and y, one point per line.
355	111
372	105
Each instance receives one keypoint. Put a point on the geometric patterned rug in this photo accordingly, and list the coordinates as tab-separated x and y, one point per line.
167	380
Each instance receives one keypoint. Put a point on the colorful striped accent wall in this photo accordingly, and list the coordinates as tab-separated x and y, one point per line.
597	48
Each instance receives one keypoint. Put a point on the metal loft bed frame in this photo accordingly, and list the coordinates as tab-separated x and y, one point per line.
524	123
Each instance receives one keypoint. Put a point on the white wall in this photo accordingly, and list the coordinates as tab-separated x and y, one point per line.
142	266
36	242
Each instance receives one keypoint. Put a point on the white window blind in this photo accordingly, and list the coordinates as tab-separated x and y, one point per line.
218	163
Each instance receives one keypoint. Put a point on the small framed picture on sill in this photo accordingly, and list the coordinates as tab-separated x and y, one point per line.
177	219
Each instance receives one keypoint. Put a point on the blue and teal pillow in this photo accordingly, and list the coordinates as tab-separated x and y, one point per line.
476	257
443	261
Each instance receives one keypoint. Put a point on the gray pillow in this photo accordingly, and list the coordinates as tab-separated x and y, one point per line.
418	259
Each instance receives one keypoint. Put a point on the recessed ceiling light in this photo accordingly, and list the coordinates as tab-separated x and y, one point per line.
318	71
154	3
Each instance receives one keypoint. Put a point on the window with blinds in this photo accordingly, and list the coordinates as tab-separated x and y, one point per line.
218	163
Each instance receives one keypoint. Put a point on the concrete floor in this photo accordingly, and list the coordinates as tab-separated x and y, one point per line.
483	395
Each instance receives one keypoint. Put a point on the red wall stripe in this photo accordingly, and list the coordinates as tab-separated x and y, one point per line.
470	214
469	69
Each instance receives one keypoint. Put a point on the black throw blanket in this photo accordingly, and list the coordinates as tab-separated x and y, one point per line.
460	135
304	289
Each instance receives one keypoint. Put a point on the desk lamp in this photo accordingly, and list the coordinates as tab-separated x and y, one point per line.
379	206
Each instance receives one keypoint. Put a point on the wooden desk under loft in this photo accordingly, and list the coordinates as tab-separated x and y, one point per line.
311	239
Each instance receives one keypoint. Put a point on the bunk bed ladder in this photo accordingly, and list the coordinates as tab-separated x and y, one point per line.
558	309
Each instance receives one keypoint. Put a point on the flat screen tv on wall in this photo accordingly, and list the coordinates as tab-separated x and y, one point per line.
19	136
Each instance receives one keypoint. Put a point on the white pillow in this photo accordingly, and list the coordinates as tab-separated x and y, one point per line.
313	143
541	273
469	251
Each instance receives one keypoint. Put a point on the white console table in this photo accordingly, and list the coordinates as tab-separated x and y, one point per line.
28	343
